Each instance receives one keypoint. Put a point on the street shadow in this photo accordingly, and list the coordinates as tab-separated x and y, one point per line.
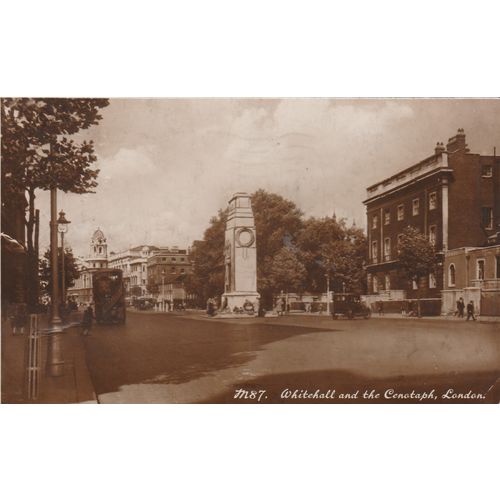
176	350
350	387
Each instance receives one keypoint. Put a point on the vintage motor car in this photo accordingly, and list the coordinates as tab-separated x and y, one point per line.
349	305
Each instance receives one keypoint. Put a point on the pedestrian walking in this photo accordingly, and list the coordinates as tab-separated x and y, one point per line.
380	308
88	316
279	309
283	306
210	307
470	311
460	307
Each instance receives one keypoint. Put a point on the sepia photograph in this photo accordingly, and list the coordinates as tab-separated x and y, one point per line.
250	250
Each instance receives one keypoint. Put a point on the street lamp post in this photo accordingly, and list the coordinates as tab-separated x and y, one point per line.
327	293
55	361
62	227
163	289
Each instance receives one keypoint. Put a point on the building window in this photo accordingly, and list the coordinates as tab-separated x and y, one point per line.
497	258
173	259
374	222
432	200
387	282
415	206
172	270
432	235
182	259
401	212
400	240
451	275
387	216
164	259
487	171
374	252
487	217
387	249
480	269
432	280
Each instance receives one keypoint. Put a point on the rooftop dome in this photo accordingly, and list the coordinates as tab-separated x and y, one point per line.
98	235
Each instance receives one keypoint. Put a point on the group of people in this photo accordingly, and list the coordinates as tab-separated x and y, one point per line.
461	308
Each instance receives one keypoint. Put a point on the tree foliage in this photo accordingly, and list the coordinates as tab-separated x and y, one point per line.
36	150
417	256
329	248
71	271
207	257
287	272
278	222
37	153
293	254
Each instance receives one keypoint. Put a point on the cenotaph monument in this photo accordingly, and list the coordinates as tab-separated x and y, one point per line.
240	258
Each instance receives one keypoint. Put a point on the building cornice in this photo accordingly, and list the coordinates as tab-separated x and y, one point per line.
404	185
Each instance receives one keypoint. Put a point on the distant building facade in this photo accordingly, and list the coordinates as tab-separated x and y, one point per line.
167	270
473	274
133	262
453	197
96	259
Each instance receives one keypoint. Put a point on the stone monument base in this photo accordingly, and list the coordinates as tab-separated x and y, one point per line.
240	300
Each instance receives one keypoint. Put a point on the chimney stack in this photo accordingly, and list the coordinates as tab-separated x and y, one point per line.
439	149
457	143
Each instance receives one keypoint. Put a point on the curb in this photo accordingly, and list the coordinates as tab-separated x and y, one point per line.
85	392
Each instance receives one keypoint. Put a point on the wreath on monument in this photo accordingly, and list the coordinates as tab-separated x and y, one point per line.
245	237
248	307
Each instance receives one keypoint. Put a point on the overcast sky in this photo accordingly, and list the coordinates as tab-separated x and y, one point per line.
168	165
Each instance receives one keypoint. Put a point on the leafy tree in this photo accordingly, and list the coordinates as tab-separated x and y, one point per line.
71	271
207	257
287	272
36	153
278	223
417	256
328	247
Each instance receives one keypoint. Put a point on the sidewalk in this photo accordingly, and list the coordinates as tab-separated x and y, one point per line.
74	386
489	319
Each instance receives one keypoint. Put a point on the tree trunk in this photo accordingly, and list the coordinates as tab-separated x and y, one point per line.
37	256
32	271
419	310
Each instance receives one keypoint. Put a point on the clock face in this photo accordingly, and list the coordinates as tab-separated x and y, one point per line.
245	237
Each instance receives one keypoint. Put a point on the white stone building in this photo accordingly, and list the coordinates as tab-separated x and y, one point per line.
133	263
96	259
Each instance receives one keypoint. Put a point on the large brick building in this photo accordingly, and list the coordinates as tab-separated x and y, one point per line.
453	197
167	269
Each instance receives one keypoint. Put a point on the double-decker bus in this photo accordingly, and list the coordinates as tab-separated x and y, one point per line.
109	296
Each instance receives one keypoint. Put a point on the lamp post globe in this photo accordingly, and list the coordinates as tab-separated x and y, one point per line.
62	228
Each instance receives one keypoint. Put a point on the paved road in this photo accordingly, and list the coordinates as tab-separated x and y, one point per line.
157	358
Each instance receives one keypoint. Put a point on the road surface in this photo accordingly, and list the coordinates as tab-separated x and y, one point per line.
189	358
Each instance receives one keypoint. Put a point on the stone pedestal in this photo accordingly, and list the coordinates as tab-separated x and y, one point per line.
240	258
